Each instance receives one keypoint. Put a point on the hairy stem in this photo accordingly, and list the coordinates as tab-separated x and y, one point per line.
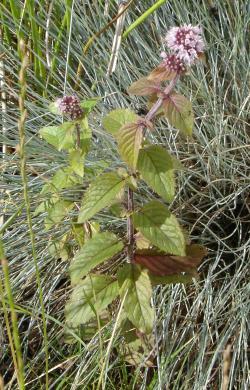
152	112
130	204
78	136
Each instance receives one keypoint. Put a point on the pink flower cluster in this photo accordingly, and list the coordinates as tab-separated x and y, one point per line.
70	105
186	42
173	63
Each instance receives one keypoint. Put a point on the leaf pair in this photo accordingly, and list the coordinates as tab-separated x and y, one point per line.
96	292
64	137
176	108
93	294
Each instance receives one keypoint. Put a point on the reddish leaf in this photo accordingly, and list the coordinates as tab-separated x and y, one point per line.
179	113
144	87
162	265
161	73
202	57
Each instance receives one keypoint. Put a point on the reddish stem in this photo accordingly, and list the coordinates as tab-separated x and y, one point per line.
152	112
130	204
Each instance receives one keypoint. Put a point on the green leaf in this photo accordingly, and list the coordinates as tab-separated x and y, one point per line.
57	212
170	279
50	134
137	348
61	137
161	228
64	178
129	143
79	233
89	298
155	165
54	108
178	111
85	135
60	249
95	251
118	118
118	210
89	104
100	194
135	284
132	183
76	160
86	331
41	208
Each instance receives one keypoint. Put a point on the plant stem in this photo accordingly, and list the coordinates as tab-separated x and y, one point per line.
130	204
78	136
130	226
152	112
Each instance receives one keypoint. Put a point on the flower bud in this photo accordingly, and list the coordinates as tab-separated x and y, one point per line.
70	106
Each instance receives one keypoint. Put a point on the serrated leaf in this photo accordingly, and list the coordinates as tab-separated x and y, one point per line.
60	249
171	279
100	194
138	348
54	108
129	140
155	165
46	204
144	87
161	228
41	208
160	264
118	118
85	135
61	137
141	242
95	251
89	104
79	233
63	178
118	210
161	73
89	298
135	285
132	183
76	160
50	134
57	212
178	111
86	331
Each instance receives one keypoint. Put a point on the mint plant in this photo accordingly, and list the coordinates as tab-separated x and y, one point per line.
154	247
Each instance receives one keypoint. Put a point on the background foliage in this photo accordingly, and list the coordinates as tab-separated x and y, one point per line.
194	324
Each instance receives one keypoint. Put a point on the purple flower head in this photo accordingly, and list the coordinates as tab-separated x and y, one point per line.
186	41
173	63
70	106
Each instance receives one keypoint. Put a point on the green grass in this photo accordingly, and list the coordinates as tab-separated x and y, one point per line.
194	323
